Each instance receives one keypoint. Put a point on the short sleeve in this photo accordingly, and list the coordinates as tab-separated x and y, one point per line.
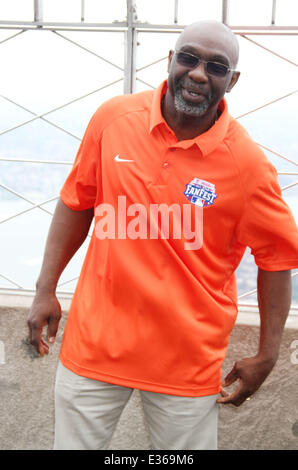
267	225
80	189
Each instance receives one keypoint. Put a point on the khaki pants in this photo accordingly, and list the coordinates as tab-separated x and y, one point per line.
87	412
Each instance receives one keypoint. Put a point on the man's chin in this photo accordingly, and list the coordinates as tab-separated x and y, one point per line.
191	109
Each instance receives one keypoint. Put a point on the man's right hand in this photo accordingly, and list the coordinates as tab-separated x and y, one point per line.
45	310
69	229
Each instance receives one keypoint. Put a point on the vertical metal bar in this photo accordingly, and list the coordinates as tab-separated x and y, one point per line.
225	11
130	48
273	16
82	10
38	13
176	12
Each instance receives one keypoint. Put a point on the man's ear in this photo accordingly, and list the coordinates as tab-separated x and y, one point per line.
170	57
233	81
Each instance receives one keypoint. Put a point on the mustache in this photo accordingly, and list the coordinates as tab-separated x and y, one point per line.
193	86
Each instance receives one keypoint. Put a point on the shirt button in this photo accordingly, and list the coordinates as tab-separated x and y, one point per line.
166	165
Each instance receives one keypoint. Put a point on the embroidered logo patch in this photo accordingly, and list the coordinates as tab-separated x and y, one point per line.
200	192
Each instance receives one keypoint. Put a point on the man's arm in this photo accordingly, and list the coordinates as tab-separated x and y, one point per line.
274	299
67	232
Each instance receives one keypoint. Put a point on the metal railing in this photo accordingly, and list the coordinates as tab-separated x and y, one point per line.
130	29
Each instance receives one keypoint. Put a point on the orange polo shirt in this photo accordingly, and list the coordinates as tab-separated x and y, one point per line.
156	299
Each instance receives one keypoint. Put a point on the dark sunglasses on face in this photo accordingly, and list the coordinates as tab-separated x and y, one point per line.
212	68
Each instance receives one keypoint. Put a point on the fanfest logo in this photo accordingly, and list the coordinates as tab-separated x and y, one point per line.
200	192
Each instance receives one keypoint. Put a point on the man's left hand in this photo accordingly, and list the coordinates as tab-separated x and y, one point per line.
251	373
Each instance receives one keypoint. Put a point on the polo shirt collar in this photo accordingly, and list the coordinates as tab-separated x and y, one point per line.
206	142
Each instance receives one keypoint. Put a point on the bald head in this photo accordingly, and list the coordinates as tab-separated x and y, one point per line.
217	35
201	70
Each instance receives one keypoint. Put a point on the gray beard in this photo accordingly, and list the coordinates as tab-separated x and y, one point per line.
192	109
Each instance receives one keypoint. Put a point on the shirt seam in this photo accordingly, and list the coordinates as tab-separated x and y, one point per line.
244	191
238	172
115	118
244	197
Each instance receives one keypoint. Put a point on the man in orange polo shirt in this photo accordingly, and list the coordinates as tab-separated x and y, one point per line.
177	190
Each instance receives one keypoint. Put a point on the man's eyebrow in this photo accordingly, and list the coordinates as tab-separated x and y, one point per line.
220	58
215	58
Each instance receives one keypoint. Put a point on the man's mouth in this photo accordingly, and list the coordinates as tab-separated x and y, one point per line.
192	95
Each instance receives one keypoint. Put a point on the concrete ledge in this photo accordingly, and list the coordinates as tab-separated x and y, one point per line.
268	421
23	299
19	299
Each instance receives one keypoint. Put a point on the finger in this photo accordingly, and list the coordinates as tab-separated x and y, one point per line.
29	333
43	347
235	398
35	338
223	394
52	329
230	378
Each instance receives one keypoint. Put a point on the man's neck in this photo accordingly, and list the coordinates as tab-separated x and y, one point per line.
185	126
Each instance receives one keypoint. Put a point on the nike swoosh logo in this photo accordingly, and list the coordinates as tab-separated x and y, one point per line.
118	159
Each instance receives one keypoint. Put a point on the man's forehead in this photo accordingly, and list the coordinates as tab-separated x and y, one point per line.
209	51
214	37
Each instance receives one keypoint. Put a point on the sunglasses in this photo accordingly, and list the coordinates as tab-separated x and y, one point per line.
212	68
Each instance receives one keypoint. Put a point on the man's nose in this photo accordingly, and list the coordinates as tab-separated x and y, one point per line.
199	74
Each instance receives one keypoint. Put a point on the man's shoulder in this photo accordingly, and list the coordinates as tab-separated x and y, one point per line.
252	164
122	105
243	147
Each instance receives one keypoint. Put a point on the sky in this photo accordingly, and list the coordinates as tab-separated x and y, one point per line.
43	56
42	70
